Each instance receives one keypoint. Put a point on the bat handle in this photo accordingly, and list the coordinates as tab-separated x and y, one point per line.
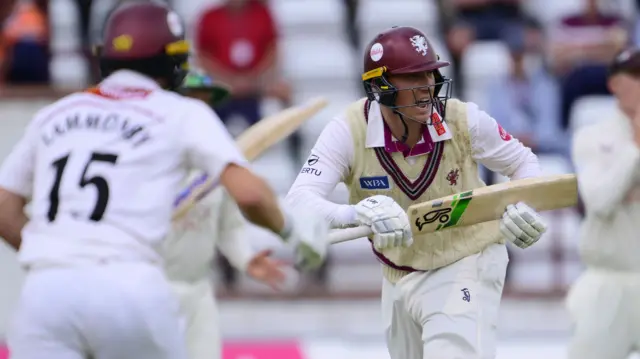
348	234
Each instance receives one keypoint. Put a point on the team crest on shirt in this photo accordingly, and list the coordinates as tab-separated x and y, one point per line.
452	177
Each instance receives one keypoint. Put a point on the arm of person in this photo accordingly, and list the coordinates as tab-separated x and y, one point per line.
605	170
233	243
220	158
496	149
328	165
16	186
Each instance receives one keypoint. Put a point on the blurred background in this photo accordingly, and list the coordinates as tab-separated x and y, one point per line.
537	66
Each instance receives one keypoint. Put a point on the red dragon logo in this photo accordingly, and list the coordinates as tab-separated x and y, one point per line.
452	177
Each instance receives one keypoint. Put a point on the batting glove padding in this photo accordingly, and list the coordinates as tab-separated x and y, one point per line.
522	225
388	221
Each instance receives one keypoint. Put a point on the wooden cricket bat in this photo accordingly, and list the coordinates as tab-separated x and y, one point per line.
481	205
252	142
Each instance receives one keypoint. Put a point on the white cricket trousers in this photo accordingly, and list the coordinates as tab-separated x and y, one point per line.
99	311
447	313
604	307
200	315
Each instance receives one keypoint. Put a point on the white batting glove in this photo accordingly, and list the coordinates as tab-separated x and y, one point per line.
388	221
308	234
522	225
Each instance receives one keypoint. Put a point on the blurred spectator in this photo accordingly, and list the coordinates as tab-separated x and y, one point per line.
580	48
526	101
351	23
636	26
236	43
84	18
471	20
24	47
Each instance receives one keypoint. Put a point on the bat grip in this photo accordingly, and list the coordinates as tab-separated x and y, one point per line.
348	234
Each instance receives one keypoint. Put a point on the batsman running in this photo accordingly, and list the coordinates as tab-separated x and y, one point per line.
100	169
603	302
189	250
408	142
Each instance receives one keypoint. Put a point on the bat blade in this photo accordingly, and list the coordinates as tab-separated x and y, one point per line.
253	142
273	129
489	203
480	205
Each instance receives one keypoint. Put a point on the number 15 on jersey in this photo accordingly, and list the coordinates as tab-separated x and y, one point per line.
100	184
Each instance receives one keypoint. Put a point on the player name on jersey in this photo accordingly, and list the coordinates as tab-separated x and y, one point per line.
109	122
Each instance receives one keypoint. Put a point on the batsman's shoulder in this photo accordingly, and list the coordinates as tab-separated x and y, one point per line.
50	109
457	102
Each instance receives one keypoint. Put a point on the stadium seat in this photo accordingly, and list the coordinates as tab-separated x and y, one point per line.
317	58
64	33
482	63
69	70
190	10
309	17
320	67
591	109
311	129
379	15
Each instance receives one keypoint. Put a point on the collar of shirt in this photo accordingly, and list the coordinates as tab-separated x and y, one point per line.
128	78
379	135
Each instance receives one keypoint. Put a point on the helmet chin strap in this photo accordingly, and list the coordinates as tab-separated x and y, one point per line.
402	116
405	136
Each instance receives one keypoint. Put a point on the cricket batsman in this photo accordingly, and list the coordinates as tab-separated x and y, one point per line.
407	142
189	250
100	169
603	302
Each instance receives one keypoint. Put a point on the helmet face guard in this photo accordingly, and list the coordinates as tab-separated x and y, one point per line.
379	89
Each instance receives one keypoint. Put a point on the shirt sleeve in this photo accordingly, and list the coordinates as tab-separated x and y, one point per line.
496	149
209	145
328	164
233	242
17	171
605	171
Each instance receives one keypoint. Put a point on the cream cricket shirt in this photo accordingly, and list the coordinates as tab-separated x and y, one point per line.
338	154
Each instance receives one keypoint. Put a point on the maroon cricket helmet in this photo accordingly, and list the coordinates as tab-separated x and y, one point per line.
401	50
147	37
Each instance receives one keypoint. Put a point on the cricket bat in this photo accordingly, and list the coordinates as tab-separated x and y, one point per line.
252	142
480	205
